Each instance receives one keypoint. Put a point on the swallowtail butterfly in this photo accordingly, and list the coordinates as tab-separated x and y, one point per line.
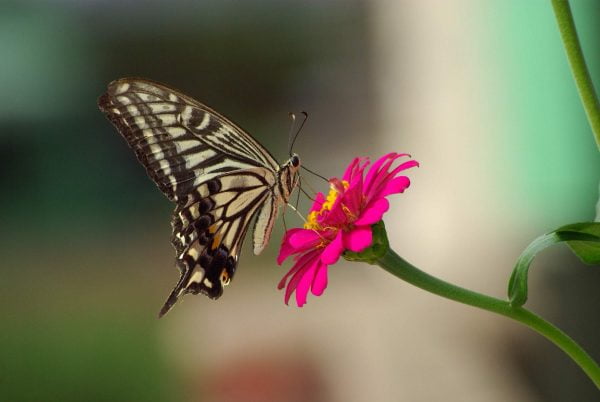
218	176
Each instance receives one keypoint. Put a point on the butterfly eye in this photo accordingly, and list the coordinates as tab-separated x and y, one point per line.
295	161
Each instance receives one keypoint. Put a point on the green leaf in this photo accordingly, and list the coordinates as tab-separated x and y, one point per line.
517	285
582	238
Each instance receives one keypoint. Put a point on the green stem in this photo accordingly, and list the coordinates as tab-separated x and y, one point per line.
584	83
397	266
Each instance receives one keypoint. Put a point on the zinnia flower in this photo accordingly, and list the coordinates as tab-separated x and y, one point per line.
339	222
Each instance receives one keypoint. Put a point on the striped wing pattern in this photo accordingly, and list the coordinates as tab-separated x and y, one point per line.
217	174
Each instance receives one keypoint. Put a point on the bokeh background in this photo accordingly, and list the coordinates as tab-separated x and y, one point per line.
479	92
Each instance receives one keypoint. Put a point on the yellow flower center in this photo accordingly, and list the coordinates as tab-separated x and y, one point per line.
311	221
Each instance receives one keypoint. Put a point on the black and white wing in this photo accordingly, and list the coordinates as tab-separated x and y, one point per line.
219	176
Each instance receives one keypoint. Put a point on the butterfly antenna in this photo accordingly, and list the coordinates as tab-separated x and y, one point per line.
311	188
298	132
290	133
314	173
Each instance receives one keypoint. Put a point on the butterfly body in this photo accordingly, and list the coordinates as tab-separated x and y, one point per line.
218	175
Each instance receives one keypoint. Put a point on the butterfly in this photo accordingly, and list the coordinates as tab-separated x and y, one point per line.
219	177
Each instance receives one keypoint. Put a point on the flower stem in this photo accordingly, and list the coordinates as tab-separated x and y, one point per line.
397	266
585	86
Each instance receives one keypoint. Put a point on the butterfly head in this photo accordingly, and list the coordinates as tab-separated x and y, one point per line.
289	176
294	161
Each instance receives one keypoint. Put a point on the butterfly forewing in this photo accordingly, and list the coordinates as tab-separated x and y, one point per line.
219	176
181	142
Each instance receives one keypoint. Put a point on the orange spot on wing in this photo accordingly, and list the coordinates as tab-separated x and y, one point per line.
216	242
225	277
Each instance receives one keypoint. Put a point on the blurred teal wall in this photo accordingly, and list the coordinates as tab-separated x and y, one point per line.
550	151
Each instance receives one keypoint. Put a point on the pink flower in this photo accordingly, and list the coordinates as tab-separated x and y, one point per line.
339	222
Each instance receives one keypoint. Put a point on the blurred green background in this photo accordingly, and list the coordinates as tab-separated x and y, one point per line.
86	260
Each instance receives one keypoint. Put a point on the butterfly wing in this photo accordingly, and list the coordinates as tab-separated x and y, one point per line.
209	231
181	142
219	176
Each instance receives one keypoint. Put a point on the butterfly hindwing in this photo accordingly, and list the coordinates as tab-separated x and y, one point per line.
209	230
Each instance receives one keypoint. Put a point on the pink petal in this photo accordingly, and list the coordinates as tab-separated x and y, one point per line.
358	239
304	238
382	174
299	270
395	186
358	173
334	217
305	282
350	169
304	258
332	252
374	170
404	166
384	177
320	282
284	252
318	203
374	212
355	169
292	285
353	197
286	248
348	199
